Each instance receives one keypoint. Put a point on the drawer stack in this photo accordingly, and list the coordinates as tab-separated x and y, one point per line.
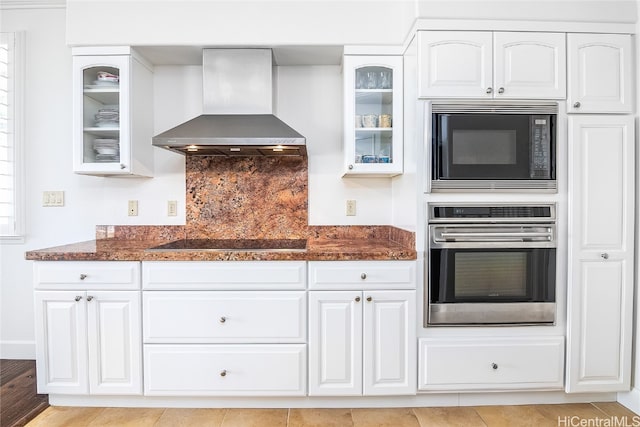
232	329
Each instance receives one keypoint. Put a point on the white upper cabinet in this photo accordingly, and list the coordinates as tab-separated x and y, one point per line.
529	65
476	64
601	253
599	73
112	113
455	64
373	115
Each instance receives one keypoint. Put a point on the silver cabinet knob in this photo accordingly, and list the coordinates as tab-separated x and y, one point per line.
501	90
78	298
494	366
350	167
363	276
604	255
83	276
89	298
489	90
357	299
222	319
122	166
369	299
576	104
223	373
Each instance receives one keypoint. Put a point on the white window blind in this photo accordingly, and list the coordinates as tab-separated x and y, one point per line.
10	97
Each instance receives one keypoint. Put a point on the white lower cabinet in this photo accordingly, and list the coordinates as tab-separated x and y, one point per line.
225	370
362	343
225	328
462	364
88	342
88	339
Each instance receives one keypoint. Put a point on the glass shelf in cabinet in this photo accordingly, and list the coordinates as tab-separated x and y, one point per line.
368	130
374	96
103	97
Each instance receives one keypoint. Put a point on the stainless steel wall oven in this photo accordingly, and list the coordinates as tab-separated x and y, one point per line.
491	265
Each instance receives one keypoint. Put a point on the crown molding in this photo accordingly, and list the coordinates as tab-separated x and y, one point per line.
32	4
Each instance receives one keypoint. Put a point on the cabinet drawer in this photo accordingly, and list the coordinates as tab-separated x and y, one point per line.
337	275
493	363
224	275
229	317
89	275
229	370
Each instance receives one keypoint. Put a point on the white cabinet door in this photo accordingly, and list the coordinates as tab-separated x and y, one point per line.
529	65
455	64
600	76
373	123
335	343
61	342
115	342
601	247
389	342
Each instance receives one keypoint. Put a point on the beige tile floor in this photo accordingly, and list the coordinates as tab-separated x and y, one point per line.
578	414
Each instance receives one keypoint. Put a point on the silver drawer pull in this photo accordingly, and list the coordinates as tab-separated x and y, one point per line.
369	299
604	255
83	276
363	276
576	105
78	298
223	373
357	299
89	298
494	366
222	319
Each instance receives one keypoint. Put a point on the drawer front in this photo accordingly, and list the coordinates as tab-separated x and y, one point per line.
224	317
347	275
89	275
492	363
224	275
225	370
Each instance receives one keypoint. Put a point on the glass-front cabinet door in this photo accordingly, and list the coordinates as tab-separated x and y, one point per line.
102	135
373	115
112	115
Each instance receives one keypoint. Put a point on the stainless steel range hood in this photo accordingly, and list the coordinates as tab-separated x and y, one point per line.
237	106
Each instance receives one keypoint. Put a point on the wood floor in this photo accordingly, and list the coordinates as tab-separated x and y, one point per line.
581	414
19	402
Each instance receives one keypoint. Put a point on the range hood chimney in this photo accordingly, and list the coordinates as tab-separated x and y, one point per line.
237	117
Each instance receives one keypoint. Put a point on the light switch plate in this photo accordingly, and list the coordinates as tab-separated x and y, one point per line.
172	208
53	198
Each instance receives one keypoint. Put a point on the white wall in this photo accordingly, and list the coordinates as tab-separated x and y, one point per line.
238	22
632	399
530	10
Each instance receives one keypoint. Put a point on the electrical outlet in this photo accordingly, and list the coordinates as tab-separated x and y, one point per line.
351	207
172	208
53	198
133	208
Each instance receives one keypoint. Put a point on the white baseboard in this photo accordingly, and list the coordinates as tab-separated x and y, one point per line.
420	400
631	399
25	350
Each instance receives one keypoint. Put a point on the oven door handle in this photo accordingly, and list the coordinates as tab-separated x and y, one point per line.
494	237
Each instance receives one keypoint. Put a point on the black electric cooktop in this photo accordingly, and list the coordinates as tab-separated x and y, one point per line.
288	245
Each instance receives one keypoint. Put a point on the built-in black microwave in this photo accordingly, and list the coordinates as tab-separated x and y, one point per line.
493	146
